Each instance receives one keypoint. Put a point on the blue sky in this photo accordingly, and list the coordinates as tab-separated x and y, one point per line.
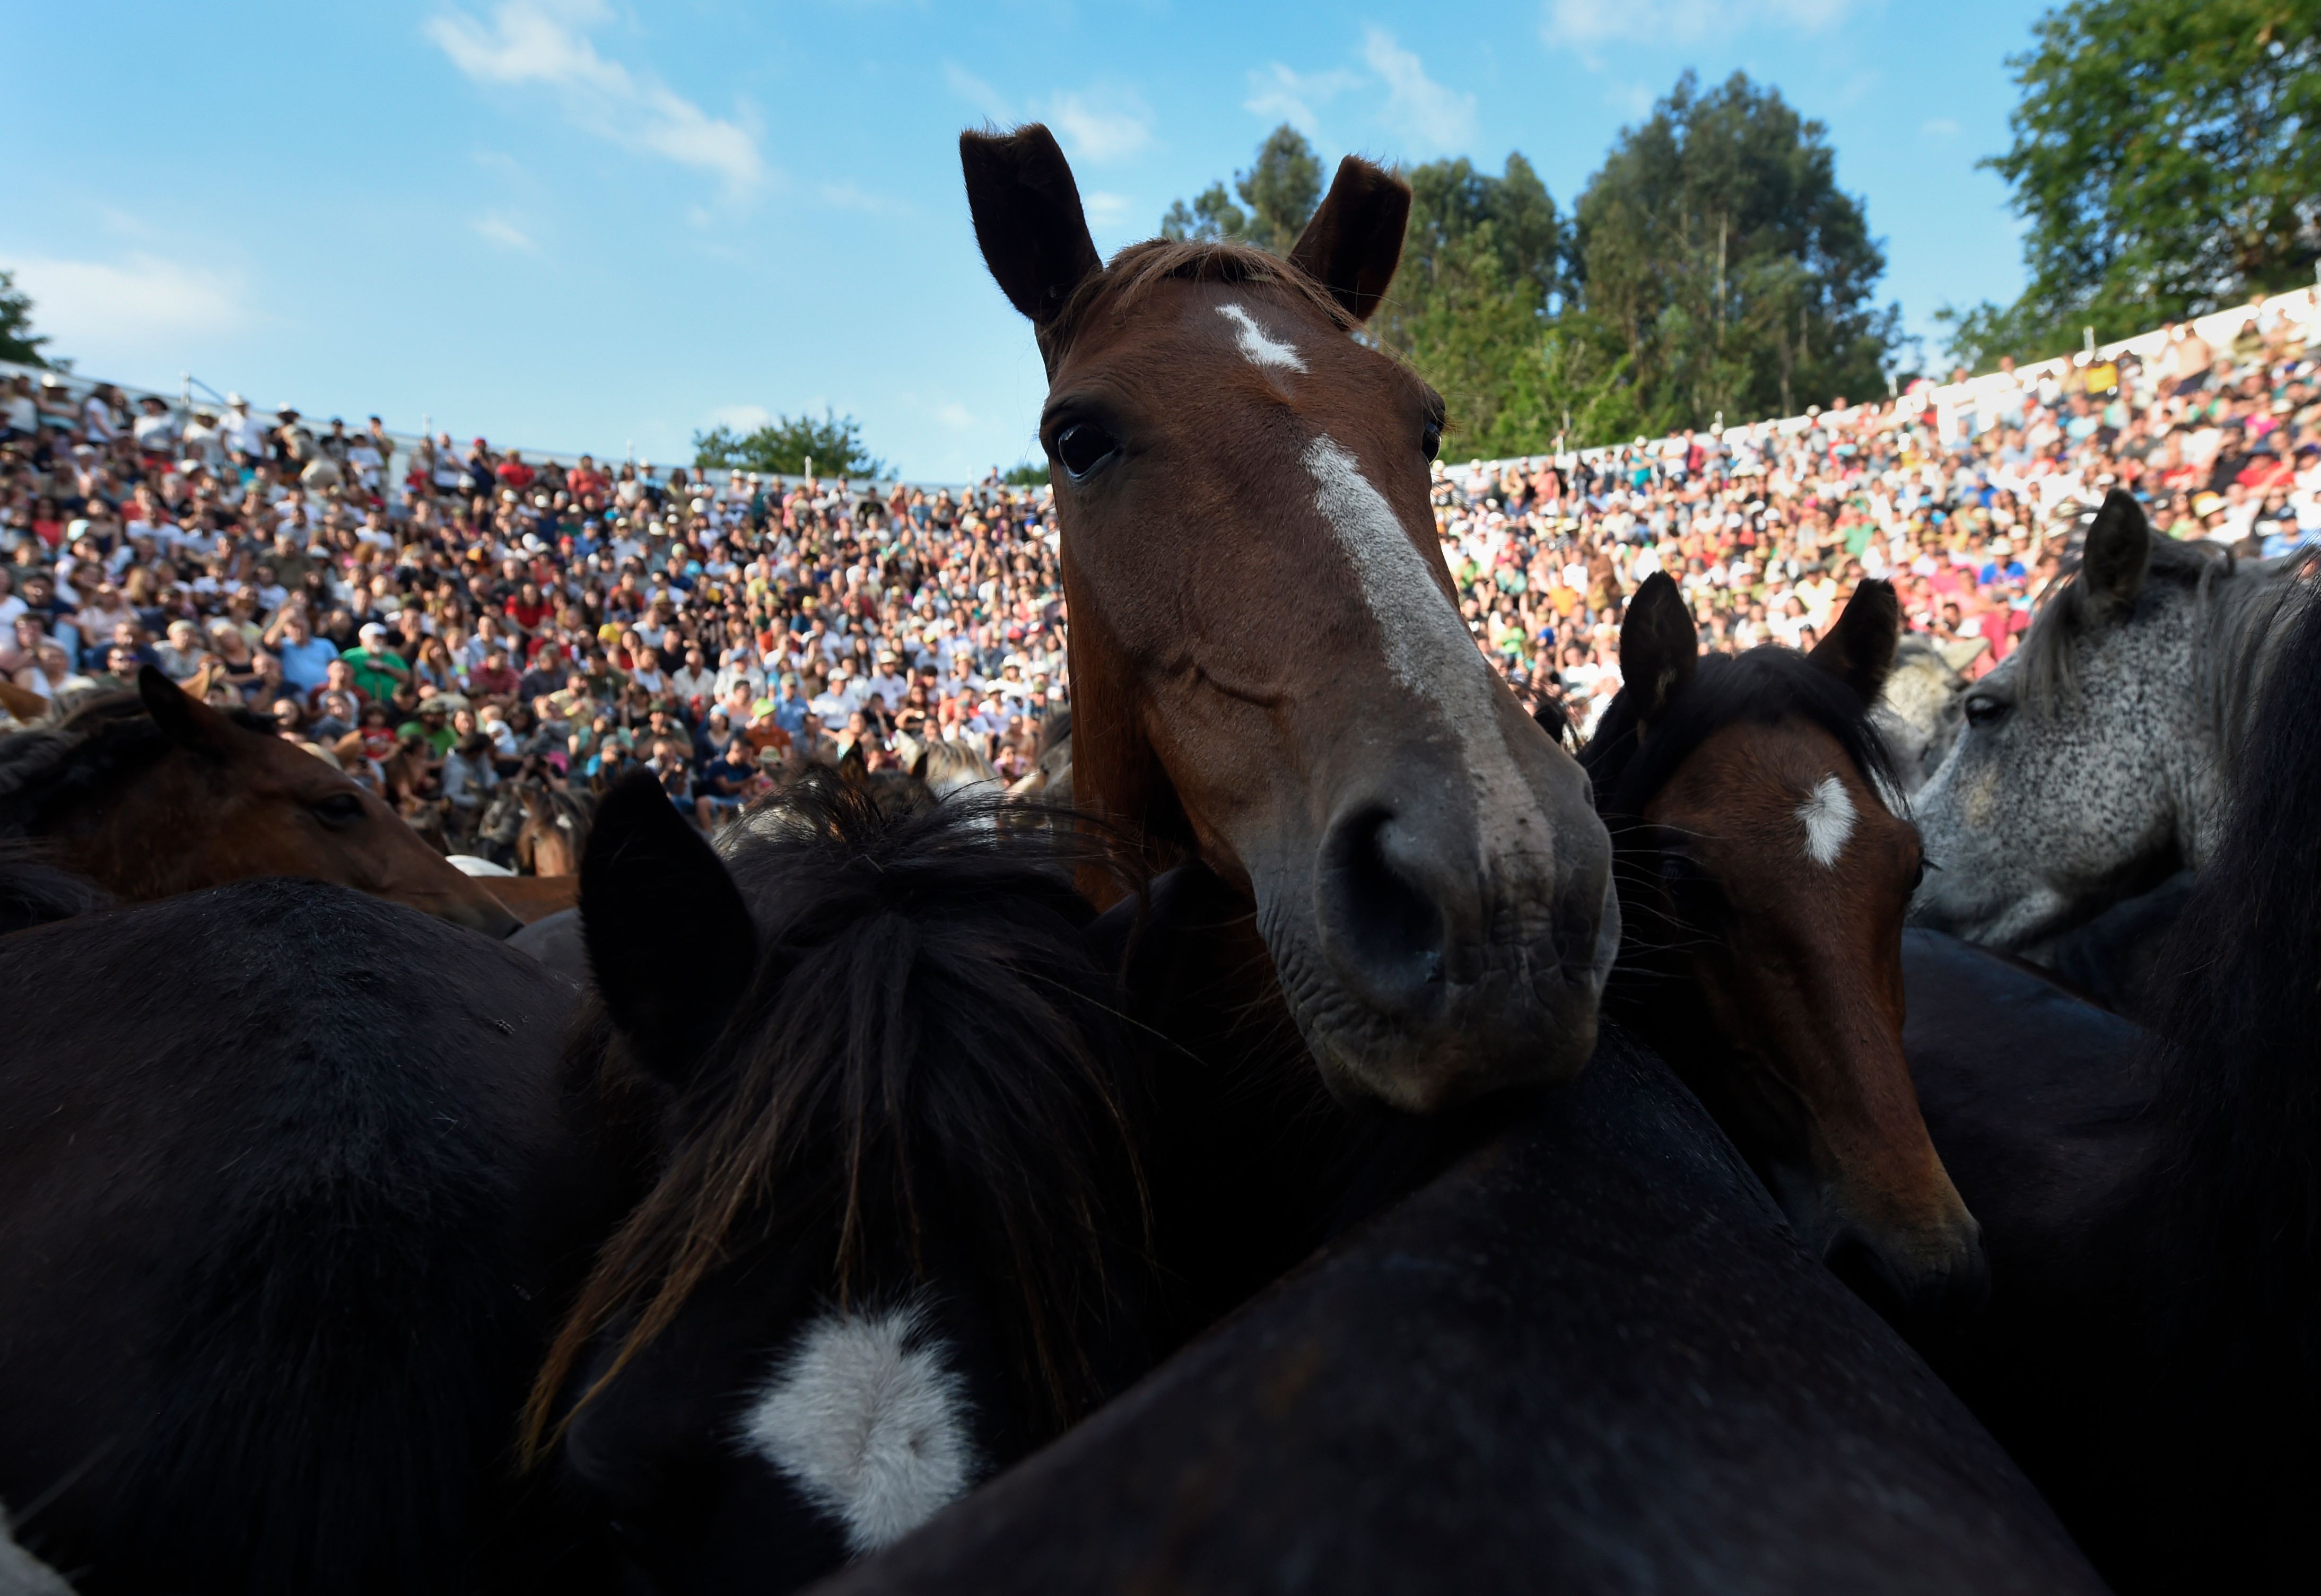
574	224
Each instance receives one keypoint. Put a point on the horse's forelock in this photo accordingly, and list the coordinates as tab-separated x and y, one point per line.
1136	271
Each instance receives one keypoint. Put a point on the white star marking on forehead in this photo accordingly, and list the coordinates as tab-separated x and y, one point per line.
1829	815
1257	345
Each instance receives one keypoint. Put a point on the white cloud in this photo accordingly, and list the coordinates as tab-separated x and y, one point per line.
1105	210
1664	21
1101	124
546	42
136	309
1940	127
852	197
1278	93
1416	105
979	94
498	230
954	414
742	418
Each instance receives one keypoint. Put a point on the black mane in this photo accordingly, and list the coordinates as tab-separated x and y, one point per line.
2235	1055
89	744
1766	685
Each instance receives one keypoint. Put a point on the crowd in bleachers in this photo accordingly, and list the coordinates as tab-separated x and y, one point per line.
440	620
1967	498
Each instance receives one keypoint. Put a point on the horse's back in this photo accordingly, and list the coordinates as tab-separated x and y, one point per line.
2027	1090
285	1198
1590	1357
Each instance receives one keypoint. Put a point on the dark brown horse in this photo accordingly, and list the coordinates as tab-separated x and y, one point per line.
1762	886
1269	669
153	792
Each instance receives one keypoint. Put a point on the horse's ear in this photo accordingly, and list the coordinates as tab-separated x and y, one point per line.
1028	220
190	723
1355	241
1860	649
1659	647
23	703
2117	554
669	941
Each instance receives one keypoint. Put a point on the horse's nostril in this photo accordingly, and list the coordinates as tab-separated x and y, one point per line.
1384	929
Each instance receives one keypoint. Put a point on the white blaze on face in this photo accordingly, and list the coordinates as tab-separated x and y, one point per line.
868	1423
1828	818
1260	348
1428	651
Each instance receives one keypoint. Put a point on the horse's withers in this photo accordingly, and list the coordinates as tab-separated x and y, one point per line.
1268	666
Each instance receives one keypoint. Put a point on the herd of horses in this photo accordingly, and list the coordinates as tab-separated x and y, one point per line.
1356	1147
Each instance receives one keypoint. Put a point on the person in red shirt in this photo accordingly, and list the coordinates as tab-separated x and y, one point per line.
585	479
495	679
527	607
513	473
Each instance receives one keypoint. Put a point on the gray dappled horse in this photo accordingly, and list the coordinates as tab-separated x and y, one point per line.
2095	759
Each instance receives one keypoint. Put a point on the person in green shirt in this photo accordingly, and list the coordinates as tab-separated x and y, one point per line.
378	670
433	724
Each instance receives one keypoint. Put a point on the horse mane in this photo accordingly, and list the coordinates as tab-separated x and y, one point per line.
2241	608
2232	1055
927	1045
1136	271
1765	685
86	744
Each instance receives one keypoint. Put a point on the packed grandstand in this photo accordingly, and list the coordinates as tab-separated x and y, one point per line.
439	618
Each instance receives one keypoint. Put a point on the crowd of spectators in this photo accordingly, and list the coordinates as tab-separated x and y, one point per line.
439	620
1971	514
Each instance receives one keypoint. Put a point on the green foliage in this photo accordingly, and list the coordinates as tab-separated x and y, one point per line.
1711	264
1030	474
18	341
786	444
1715	244
1281	189
1482	267
2168	159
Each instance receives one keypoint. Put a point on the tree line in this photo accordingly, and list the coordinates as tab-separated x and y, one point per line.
1711	266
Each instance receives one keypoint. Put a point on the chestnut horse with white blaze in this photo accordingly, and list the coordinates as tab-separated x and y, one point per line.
1269	669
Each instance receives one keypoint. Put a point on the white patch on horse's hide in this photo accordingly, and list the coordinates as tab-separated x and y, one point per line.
1428	650
868	1423
1828	818
1261	348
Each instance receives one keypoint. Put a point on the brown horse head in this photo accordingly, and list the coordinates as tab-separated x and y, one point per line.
1764	881
1269	669
160	794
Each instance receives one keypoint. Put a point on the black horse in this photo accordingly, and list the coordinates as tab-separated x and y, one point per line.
287	1210
2152	1352
882	1100
1591	1357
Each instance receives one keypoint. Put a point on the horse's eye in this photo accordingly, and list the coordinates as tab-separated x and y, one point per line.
1082	447
339	809
1430	442
1680	873
1986	711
